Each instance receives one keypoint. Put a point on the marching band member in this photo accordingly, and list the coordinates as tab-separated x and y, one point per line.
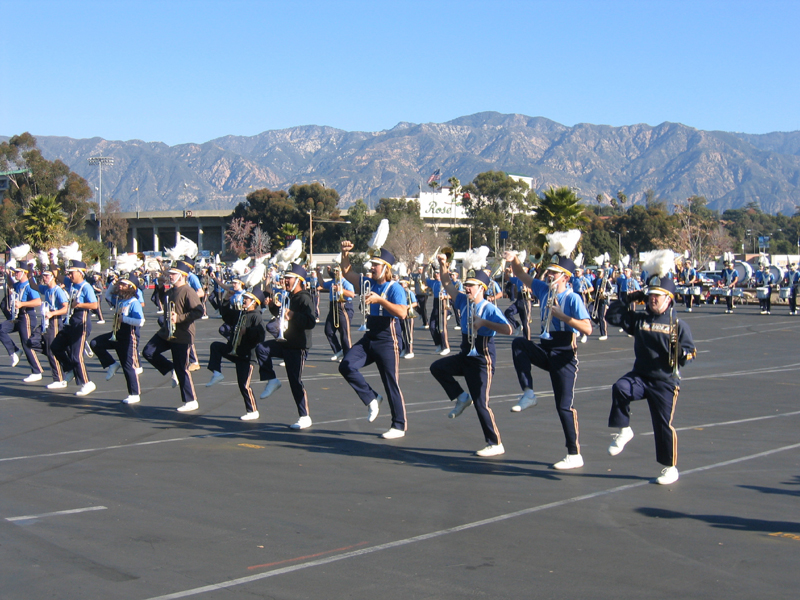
55	302
765	279
792	280
602	292
27	302
295	315
381	343
93	279
421	292
407	324
659	339
340	314
582	286
438	318
183	308
313	288
124	335
563	316
626	284
494	293
688	277
476	359
248	332
193	281
729	279
459	287
10	324
69	343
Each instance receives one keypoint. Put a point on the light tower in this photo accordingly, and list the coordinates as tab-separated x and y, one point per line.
100	161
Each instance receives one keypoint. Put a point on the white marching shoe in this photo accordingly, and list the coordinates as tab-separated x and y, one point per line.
216	377
668	475
409	355
526	400
188	406
112	370
491	450
272	385
33	377
624	436
14	356
56	385
132	399
374	408
175	382
251	416
584	337
444	352
86	389
302	423
338	356
393	434
139	370
570	461
462	402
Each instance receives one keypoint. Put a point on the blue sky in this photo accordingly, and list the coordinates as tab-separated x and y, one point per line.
189	71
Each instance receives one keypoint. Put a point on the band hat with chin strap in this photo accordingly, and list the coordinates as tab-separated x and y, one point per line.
25	268
477	278
297	271
182	268
76	265
257	295
132	280
381	255
561	264
661	286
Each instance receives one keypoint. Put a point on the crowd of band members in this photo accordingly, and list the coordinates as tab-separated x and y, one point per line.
179	295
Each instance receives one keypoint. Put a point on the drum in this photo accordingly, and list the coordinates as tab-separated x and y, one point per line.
695	290
762	293
682	289
720	291
738	293
744	270
778	273
785	293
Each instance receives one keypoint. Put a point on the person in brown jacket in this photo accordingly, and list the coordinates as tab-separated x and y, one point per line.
177	334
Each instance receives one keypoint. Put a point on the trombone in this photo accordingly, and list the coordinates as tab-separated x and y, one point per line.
674	344
337	296
282	323
547	312
366	288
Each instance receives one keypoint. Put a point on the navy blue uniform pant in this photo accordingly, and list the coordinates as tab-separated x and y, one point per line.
438	325
384	351
43	342
244	371
69	343
661	396
127	349
25	325
339	337
295	359
562	364
477	372
422	308
154	354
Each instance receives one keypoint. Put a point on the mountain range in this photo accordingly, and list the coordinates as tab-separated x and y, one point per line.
675	161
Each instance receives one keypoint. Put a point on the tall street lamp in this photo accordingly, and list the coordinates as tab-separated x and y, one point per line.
311	232
100	161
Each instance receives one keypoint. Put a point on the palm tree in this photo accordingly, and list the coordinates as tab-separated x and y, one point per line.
559	209
43	221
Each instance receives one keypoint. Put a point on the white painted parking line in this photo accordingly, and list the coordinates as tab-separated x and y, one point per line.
444	532
56	514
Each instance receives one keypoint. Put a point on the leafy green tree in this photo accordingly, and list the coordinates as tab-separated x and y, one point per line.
559	209
361	226
287	234
43	222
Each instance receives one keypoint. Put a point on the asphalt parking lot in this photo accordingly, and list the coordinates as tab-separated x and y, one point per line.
103	500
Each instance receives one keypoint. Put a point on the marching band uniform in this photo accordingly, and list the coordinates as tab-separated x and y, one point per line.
128	320
626	284
477	370
194	282
494	293
93	280
381	343
313	285
652	377
558	355
459	289
765	279
187	309
341	301
407	324
421	292
294	348
438	319
69	343
792	281
582	285
688	278
603	291
729	279
28	300
56	301
249	329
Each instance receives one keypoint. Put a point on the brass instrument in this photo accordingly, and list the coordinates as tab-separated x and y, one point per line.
471	333
366	288
547	312
12	304
412	314
170	324
599	294
45	309
338	296
674	344
73	297
117	322
282	322
237	333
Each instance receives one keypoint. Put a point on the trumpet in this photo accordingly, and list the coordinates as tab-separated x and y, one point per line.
471	333
237	333
366	288
117	323
547	312
170	324
282	322
674	345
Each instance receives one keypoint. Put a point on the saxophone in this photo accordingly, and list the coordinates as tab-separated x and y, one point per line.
238	331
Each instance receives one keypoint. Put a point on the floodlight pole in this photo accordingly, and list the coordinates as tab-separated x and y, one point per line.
100	161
